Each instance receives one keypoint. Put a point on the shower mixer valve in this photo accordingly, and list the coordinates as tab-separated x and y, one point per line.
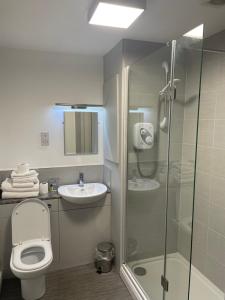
143	136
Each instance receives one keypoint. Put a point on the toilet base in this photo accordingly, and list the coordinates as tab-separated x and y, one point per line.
33	288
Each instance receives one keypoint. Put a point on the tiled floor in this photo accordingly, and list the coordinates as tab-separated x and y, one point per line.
80	283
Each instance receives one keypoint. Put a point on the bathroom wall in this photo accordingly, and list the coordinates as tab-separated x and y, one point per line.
66	175
31	82
189	128
209	226
112	66
208	251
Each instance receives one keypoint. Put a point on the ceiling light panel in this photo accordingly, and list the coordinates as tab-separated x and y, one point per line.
119	15
196	33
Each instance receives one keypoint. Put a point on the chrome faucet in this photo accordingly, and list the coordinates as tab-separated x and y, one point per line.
81	179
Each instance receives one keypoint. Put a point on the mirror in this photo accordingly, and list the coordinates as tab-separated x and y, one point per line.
80	133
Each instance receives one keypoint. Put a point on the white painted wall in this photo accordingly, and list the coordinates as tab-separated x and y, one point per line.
113	63
30	83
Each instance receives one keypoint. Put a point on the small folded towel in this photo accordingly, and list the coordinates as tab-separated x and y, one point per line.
27	179
22	184
28	174
7	187
14	195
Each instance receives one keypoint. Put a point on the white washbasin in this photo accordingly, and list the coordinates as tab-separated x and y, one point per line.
89	193
141	185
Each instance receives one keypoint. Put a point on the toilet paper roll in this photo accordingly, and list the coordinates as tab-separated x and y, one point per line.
43	188
22	168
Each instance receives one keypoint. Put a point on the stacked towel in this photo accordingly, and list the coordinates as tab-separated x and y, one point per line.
7	185
21	185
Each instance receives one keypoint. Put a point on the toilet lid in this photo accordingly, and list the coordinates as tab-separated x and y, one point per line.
30	220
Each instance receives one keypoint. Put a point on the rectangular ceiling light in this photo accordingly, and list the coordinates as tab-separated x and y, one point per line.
196	33
119	14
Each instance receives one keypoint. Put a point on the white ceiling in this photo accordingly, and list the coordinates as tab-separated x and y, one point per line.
61	25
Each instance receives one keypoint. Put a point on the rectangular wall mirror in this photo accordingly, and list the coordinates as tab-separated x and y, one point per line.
80	132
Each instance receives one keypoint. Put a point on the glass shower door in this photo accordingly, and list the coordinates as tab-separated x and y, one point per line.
162	130
146	168
186	60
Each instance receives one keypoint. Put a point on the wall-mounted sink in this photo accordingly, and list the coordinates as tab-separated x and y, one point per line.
88	193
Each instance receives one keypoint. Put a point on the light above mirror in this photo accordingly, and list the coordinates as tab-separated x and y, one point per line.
118	14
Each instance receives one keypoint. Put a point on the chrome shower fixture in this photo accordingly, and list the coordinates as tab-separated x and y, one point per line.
164	90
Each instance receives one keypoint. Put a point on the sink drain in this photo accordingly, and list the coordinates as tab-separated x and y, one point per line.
140	271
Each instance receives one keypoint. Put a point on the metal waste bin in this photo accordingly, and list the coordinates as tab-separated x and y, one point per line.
104	257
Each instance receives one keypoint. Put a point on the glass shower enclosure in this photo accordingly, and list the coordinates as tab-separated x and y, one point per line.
161	157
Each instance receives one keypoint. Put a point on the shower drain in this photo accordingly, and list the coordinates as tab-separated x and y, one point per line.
140	271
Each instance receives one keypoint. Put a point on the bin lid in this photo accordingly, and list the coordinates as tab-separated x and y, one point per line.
105	247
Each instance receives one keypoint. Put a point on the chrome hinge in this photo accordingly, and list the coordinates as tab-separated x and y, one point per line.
164	283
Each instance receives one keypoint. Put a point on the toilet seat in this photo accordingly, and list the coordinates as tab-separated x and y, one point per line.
32	244
30	221
31	253
31	236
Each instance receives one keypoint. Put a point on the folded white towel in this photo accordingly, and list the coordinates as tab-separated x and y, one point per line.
22	184
7	187
10	195
27	179
22	168
30	173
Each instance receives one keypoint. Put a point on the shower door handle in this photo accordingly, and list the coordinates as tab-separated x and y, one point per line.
164	283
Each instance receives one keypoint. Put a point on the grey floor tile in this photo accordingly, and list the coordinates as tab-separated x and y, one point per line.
80	283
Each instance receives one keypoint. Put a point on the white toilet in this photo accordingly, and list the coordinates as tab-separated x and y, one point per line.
32	250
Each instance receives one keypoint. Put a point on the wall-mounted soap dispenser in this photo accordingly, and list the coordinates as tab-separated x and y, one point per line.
143	136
